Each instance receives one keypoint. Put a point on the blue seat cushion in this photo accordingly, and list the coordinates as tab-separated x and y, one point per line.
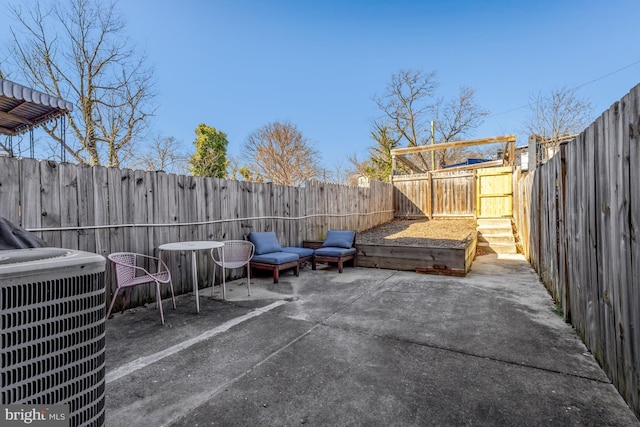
275	258
335	252
339	239
301	252
265	242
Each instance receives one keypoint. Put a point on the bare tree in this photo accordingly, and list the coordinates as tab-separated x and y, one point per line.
339	172
358	167
280	153
405	105
162	154
454	120
408	109
77	50
557	115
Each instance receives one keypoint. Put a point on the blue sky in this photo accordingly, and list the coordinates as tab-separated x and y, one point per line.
238	65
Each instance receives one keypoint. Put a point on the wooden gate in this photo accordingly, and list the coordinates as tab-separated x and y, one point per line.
494	192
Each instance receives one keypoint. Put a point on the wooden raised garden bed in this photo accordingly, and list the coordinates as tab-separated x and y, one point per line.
439	246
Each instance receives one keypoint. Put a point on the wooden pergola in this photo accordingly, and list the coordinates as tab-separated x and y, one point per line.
402	154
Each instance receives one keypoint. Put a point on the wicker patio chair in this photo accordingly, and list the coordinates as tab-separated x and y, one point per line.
234	254
129	274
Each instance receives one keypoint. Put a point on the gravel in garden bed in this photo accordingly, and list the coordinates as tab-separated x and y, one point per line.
450	233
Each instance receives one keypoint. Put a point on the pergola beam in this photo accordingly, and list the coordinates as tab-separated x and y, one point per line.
400	154
456	144
409	163
490	164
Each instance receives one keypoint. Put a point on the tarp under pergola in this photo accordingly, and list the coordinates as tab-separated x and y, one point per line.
23	108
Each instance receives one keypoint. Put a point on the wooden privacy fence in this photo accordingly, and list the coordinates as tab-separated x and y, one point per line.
434	194
579	223
105	210
482	192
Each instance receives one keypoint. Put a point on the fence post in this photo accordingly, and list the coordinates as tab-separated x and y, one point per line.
430	198
533	153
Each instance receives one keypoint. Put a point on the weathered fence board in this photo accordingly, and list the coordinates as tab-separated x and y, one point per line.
622	219
584	214
592	270
30	195
50	202
298	197
86	209
68	204
139	184
631	129
100	203
173	233
550	239
10	190
576	230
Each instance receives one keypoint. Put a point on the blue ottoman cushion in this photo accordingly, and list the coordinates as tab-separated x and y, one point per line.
275	258
301	252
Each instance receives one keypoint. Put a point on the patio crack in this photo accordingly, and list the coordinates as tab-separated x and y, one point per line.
467	353
204	397
356	298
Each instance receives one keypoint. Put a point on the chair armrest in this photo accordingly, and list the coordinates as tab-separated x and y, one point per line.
159	262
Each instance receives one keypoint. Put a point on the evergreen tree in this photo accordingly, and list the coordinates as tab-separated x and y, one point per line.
210	158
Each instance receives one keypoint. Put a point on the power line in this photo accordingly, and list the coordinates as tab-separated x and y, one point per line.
574	88
508	111
607	75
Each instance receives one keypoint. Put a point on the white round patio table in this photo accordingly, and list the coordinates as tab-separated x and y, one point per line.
193	246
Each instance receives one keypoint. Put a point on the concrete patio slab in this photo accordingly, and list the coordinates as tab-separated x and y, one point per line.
365	347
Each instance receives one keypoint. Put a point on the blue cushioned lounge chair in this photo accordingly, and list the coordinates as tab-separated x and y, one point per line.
338	247
269	255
